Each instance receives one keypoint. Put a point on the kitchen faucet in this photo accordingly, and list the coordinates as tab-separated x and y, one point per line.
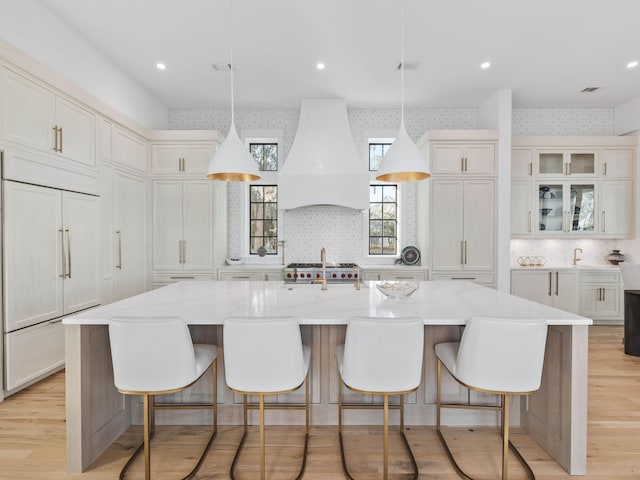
575	255
281	243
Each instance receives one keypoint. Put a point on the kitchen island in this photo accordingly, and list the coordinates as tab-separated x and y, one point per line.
555	416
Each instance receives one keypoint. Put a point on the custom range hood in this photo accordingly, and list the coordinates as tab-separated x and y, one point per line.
323	166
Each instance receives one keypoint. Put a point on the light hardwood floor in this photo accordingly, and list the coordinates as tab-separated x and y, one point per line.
32	438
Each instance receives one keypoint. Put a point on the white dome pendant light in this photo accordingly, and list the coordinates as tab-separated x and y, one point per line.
232	162
403	162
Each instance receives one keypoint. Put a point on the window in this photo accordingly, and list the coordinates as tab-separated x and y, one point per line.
383	220
265	155
263	219
376	152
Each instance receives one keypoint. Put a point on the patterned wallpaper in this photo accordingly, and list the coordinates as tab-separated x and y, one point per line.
340	230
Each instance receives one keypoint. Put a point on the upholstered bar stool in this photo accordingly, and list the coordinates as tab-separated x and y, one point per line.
154	356
265	356
380	356
498	356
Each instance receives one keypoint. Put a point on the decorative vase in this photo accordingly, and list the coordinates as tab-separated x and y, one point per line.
615	257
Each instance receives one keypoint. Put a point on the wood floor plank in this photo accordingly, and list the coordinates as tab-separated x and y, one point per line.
32	438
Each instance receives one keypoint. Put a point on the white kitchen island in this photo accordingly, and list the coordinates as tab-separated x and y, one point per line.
555	416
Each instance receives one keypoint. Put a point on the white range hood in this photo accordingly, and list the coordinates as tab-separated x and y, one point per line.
323	166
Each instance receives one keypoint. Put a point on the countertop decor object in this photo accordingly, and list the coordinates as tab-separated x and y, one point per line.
615	257
234	261
410	255
397	289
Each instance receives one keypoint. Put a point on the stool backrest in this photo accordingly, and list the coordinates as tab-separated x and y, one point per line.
501	354
263	354
630	275
151	354
383	354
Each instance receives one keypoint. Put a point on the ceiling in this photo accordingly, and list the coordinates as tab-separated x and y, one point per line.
546	51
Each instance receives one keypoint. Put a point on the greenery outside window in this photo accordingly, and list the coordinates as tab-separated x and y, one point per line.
263	219
265	155
383	219
376	152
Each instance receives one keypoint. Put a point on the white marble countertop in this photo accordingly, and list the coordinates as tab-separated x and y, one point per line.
209	303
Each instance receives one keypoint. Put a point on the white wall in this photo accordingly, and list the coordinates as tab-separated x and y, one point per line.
627	117
36	31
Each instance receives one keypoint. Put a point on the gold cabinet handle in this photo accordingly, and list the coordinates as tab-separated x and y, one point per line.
465	252
60	130
55	138
462	164
550	279
183	277
531	169
605	169
68	232
462	252
64	255
119	265
557	275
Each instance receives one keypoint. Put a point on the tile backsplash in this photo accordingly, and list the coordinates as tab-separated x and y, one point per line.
558	253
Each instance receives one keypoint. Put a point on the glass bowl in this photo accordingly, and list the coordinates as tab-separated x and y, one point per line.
397	289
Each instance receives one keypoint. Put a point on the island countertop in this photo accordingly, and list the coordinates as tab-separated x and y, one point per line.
209	303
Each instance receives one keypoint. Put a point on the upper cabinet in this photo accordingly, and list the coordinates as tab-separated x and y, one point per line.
35	116
573	186
454	159
181	153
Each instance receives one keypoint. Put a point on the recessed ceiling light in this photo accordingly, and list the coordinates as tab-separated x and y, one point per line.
320	66
633	64
161	66
485	65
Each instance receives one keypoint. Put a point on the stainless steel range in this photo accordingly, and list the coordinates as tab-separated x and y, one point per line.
311	272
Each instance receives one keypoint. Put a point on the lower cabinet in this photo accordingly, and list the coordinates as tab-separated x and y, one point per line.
33	352
394	274
249	274
163	279
601	296
556	288
485	280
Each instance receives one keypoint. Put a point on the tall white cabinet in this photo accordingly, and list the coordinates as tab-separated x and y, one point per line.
460	198
50	255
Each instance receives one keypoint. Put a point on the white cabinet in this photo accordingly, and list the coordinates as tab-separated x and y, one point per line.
462	158
183	225
129	234
175	158
521	163
129	149
463	225
521	209
397	273
566	208
616	209
560	162
601	295
36	117
51	269
250	274
616	163
556	288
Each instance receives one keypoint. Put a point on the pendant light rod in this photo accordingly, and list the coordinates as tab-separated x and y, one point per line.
402	61
231	60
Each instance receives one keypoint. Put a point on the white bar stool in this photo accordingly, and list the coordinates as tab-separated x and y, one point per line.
380	356
499	356
265	356
155	356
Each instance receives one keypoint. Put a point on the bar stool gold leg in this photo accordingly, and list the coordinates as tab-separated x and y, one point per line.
385	438
147	450
262	437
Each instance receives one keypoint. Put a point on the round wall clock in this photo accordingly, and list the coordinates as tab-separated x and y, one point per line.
410	255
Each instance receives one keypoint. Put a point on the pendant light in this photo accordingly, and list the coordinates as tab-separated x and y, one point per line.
232	162
403	162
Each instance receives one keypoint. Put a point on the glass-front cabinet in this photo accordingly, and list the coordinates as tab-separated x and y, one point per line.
570	163
566	207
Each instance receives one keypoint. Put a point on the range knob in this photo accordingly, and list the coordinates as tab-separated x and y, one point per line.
343	275
288	275
308	275
349	275
334	275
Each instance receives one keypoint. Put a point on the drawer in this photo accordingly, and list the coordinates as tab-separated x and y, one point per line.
612	276
417	276
180	277
241	276
479	279
33	352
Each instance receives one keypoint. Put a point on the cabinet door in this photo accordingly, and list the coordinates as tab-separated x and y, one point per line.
130	235
616	163
447	159
550	162
81	243
551	215
479	224
609	306
129	149
479	159
565	291
600	301
166	158
521	215
28	112
32	255
581	208
447	203
521	163
197	224
167	225
536	286
581	163
196	158
616	217
77	139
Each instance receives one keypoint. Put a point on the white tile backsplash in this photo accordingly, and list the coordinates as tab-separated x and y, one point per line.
559	253
562	121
